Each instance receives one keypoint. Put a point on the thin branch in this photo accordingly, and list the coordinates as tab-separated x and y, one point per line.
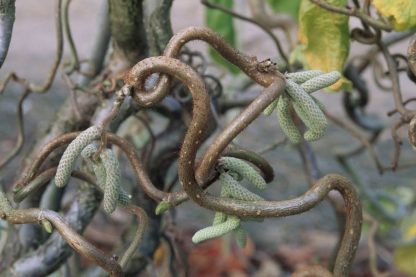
378	24
76	241
255	22
54	68
141	229
360	137
74	63
20	132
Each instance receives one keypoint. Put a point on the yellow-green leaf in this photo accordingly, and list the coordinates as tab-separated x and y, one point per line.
405	253
408	227
223	24
285	6
325	39
405	259
401	13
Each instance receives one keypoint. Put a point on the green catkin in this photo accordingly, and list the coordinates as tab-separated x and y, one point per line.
314	133
97	166
240	236
5	206
223	223
321	81
162	207
101	174
235	190
112	181
220	217
67	162
245	170
313	136
303	76
124	198
285	120
270	108
210	232
303	103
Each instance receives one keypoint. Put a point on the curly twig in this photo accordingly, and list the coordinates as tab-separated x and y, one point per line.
52	72
230	206
20	133
77	242
379	24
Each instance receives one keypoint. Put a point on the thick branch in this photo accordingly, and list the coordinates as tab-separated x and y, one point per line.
7	16
127	30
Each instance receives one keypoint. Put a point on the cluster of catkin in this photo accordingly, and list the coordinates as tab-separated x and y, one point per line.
106	168
232	171
297	94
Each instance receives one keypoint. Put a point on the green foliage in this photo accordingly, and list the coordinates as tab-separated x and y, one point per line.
223	24
240	236
325	39
285	6
47	225
401	13
405	254
162	207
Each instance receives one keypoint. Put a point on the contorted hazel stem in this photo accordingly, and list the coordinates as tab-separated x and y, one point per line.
193	139
275	84
246	63
76	241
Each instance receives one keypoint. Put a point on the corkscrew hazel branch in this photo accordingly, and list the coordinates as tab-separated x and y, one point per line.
48	174
76	241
